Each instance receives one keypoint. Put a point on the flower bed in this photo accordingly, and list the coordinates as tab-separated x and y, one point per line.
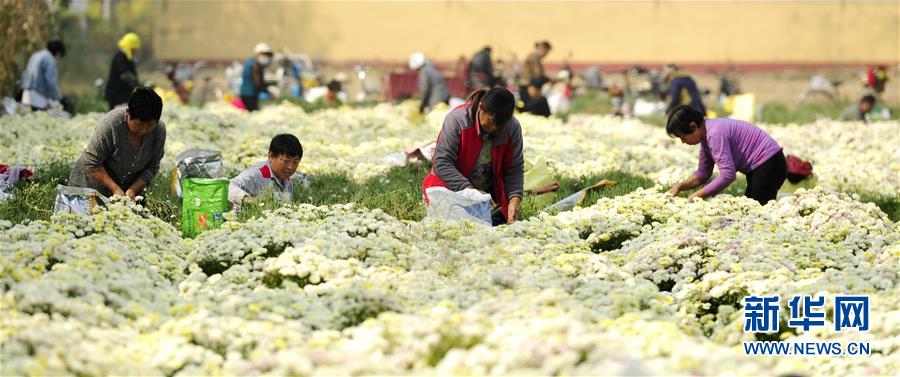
340	290
364	143
638	284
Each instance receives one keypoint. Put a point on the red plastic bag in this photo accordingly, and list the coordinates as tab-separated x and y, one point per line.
798	169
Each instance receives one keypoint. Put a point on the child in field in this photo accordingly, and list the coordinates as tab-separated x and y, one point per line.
859	112
285	153
733	146
330	99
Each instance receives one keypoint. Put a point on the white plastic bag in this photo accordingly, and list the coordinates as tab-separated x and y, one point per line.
468	204
643	107
456	102
558	102
10	106
77	200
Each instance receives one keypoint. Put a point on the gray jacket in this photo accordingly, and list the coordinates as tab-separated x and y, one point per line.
447	151
432	86
255	180
109	148
41	76
852	114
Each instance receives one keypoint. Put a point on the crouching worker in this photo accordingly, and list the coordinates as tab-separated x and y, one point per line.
535	102
285	153
123	155
480	147
733	146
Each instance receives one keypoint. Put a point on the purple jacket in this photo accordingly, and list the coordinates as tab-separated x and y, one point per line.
733	146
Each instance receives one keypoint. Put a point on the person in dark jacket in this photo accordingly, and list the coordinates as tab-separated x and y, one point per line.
253	81
729	84
481	70
123	76
535	103
682	90
480	147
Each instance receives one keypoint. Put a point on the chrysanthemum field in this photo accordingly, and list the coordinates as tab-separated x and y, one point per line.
635	282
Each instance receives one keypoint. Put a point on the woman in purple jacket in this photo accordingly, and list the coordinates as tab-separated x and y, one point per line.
733	146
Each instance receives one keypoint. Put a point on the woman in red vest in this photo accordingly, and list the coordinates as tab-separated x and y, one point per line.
480	147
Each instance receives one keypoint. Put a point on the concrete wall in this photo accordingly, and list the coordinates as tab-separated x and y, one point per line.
702	32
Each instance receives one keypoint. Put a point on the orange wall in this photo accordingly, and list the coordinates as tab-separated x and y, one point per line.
715	32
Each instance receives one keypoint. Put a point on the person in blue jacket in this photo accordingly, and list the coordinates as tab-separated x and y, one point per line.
253	81
682	90
40	83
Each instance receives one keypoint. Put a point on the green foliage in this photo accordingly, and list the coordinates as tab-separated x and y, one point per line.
33	200
890	204
310	107
779	113
592	102
85	104
398	192
770	112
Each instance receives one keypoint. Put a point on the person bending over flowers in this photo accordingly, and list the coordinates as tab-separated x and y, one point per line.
123	155
480	147
733	146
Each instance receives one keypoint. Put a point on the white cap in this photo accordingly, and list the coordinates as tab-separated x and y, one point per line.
416	60
262	48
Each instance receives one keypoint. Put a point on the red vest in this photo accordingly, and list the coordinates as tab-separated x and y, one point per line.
469	148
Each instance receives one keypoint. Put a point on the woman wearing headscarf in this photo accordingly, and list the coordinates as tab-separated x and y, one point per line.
123	77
